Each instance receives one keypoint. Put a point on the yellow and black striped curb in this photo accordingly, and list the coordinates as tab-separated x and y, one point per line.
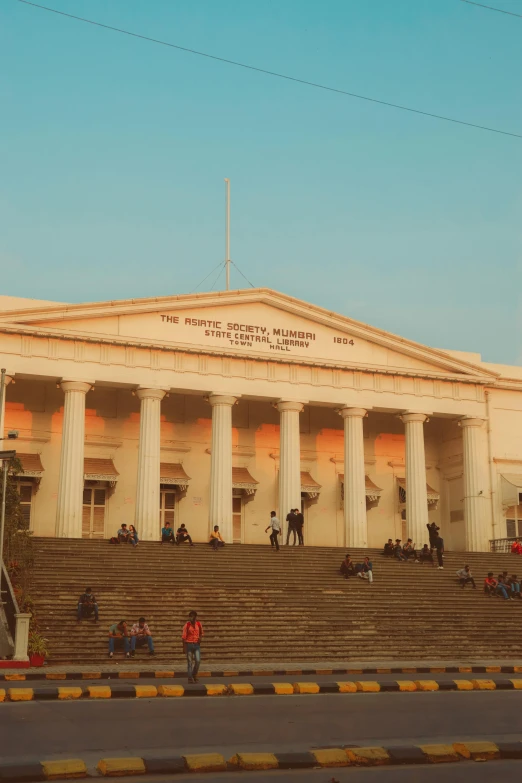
168	674
70	693
215	762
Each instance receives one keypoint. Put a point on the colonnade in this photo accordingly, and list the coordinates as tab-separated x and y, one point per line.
69	508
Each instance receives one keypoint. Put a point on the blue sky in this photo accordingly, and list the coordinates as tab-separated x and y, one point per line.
114	152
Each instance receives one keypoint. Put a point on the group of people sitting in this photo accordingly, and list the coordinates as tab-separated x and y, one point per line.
505	586
129	535
516	547
119	633
363	570
408	550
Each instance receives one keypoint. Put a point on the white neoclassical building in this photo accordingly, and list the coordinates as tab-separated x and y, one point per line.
218	408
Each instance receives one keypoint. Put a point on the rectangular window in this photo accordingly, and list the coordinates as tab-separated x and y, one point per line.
511	528
93	519
25	490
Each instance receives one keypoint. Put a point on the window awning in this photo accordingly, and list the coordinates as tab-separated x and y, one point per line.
31	466
241	479
100	470
511	488
309	486
373	492
174	473
433	495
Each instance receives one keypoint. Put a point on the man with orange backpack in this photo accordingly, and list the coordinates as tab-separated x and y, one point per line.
191	636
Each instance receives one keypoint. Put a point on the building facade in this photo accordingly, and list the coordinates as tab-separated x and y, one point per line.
218	408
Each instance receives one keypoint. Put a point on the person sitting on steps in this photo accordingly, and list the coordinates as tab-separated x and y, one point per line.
216	539
515	586
347	567
465	576
364	570
490	584
133	536
87	605
409	550
503	588
182	535
118	633
425	555
167	534
397	550
123	534
389	549
140	635
516	547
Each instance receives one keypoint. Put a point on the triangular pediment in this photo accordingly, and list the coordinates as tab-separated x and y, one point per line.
257	323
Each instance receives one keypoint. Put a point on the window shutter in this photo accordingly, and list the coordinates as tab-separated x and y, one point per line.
99	497
511	528
86	522
98	522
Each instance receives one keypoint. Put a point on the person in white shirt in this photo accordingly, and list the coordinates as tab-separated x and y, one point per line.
140	634
275	527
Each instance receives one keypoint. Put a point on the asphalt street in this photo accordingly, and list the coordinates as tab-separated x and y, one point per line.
263	723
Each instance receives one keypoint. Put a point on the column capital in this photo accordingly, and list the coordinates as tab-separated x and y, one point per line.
289	405
142	393
348	412
79	386
408	416
471	421
215	398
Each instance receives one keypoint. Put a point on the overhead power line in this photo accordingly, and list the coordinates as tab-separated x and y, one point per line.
490	8
274	73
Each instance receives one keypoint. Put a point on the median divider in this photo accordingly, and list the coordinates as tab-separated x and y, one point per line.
349	756
118	691
170	674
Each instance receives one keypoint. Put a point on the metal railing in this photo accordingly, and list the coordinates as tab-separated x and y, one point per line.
9	601
501	544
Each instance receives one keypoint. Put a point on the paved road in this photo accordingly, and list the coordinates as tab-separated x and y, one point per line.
54	729
507	771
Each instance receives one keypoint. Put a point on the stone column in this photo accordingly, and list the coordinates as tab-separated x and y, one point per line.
416	494
220	507
8	379
476	496
355	522
70	485
289	458
21	637
147	512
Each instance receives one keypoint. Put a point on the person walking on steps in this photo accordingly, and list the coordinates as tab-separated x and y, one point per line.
291	520
275	527
439	547
299	526
191	636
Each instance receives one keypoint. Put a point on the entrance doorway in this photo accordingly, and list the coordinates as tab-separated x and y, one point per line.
93	517
237	519
167	508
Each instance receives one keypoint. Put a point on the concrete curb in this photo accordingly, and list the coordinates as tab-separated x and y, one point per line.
136	673
215	762
129	691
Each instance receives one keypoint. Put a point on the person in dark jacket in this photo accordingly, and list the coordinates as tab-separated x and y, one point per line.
439	547
433	531
299	526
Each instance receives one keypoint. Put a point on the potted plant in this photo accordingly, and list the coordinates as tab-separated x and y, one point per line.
37	649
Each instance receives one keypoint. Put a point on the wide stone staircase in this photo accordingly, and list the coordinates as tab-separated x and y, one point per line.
258	605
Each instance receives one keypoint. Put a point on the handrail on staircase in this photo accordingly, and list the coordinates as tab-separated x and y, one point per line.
9	601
